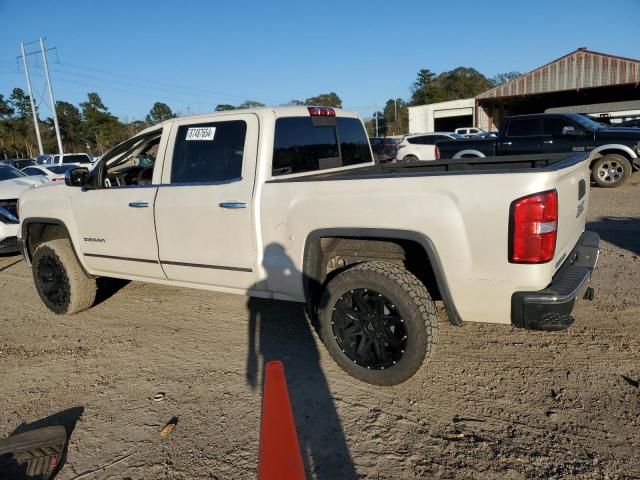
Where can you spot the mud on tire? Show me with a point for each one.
(378, 322)
(61, 283)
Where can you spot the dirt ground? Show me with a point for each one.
(494, 402)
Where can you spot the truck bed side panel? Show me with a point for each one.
(465, 217)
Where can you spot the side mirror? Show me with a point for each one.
(571, 131)
(76, 177)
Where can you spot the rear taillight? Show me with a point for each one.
(437, 153)
(321, 112)
(533, 228)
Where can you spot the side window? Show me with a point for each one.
(130, 163)
(302, 146)
(525, 127)
(553, 126)
(208, 152)
(32, 171)
(429, 140)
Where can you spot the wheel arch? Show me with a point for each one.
(613, 148)
(470, 152)
(315, 262)
(37, 230)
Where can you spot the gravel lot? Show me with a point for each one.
(494, 402)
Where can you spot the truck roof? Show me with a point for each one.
(277, 112)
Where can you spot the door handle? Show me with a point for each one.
(507, 143)
(139, 204)
(233, 205)
(548, 141)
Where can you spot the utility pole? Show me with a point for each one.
(53, 103)
(395, 116)
(376, 114)
(33, 105)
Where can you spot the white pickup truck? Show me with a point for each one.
(287, 203)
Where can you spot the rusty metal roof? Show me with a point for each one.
(579, 69)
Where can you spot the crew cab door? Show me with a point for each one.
(203, 210)
(114, 217)
(557, 140)
(522, 136)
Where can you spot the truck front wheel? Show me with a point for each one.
(611, 171)
(378, 322)
(61, 283)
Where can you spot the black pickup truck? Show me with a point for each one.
(614, 152)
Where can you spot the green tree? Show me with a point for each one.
(425, 89)
(505, 77)
(159, 113)
(20, 102)
(370, 125)
(396, 112)
(70, 122)
(462, 82)
(251, 104)
(102, 130)
(295, 103)
(223, 107)
(330, 99)
(6, 110)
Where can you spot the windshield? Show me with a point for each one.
(9, 173)
(76, 159)
(584, 121)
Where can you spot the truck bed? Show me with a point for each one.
(461, 166)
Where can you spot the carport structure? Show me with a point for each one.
(579, 78)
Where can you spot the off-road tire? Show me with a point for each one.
(413, 303)
(619, 161)
(77, 290)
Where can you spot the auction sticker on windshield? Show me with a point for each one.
(201, 133)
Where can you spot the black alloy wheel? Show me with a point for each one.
(369, 329)
(53, 280)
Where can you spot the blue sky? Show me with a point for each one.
(195, 55)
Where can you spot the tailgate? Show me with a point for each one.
(573, 198)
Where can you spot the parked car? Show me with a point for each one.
(18, 163)
(385, 149)
(12, 183)
(70, 158)
(468, 132)
(614, 151)
(417, 147)
(635, 123)
(287, 203)
(55, 173)
(42, 159)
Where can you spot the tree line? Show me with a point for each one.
(90, 127)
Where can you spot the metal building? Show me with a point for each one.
(582, 81)
(443, 116)
(582, 77)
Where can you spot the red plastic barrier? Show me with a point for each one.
(279, 456)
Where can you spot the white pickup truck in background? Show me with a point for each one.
(287, 203)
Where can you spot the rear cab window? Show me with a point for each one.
(76, 159)
(309, 144)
